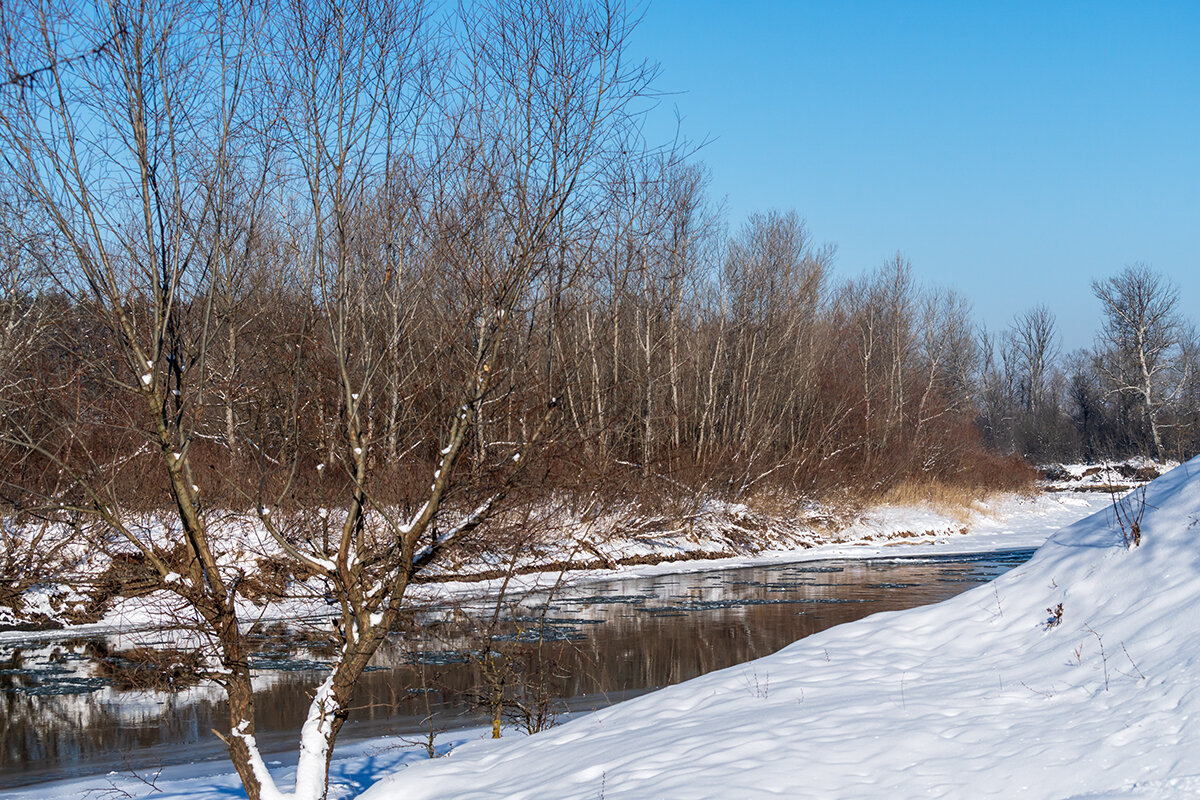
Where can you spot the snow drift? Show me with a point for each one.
(1074, 675)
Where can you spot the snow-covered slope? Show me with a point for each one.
(1000, 692)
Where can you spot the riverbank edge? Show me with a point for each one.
(1001, 524)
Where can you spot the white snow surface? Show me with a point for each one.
(979, 696)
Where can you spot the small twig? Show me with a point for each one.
(25, 80)
(1131, 661)
(1103, 655)
(759, 689)
(1055, 618)
(1128, 512)
(1036, 691)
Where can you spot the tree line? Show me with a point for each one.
(672, 359)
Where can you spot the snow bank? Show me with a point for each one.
(1115, 476)
(1076, 675)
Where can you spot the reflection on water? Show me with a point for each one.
(67, 706)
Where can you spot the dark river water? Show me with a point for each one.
(72, 707)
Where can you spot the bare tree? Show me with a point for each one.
(1140, 342)
(1035, 349)
(946, 355)
(118, 147)
(774, 281)
(883, 310)
(34, 551)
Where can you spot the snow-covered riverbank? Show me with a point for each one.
(623, 541)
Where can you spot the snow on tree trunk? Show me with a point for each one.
(312, 771)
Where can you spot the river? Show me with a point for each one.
(78, 706)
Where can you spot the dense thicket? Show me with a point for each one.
(676, 362)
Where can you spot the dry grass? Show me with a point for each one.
(957, 501)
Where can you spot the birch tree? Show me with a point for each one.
(1140, 343)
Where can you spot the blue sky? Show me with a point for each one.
(1011, 150)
